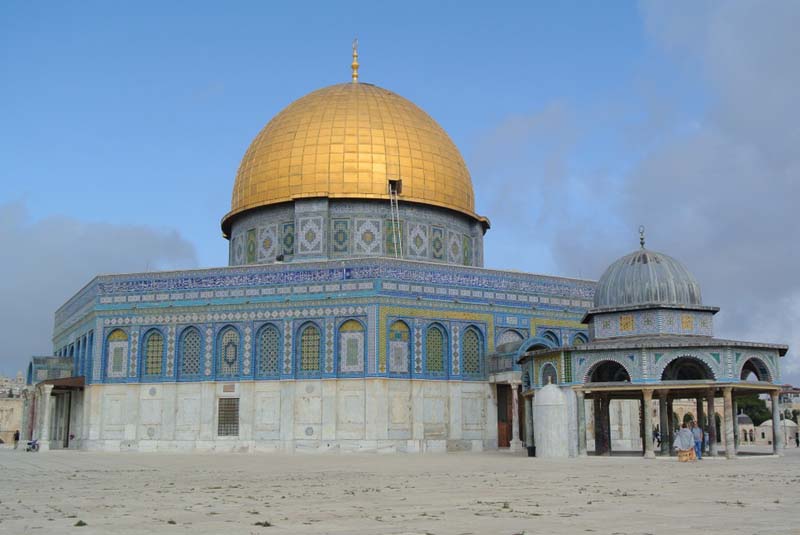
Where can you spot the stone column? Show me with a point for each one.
(712, 423)
(45, 417)
(529, 421)
(647, 410)
(581, 410)
(670, 427)
(736, 439)
(699, 402)
(777, 435)
(663, 425)
(516, 443)
(730, 449)
(603, 424)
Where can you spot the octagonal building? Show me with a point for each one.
(355, 313)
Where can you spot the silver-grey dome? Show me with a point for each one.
(645, 277)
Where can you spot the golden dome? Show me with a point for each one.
(347, 141)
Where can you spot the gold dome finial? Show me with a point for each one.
(354, 65)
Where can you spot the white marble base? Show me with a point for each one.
(316, 416)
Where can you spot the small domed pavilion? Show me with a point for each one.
(651, 335)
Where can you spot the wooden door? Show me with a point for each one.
(504, 416)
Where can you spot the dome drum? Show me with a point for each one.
(337, 229)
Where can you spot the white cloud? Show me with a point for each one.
(717, 188)
(47, 261)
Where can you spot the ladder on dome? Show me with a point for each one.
(395, 188)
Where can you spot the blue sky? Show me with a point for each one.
(140, 112)
(122, 125)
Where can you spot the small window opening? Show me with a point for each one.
(228, 421)
(395, 186)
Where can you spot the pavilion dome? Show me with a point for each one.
(646, 277)
(346, 141)
(744, 419)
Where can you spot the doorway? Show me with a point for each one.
(504, 416)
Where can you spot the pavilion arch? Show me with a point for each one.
(757, 366)
(607, 371)
(548, 374)
(578, 339)
(537, 342)
(552, 338)
(687, 368)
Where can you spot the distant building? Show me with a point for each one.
(12, 387)
(10, 418)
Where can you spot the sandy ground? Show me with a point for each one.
(409, 494)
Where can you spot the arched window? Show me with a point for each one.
(399, 347)
(117, 353)
(435, 347)
(579, 339)
(269, 347)
(549, 375)
(153, 353)
(471, 352)
(551, 337)
(190, 348)
(509, 336)
(351, 347)
(310, 341)
(228, 352)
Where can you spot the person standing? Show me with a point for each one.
(16, 438)
(697, 434)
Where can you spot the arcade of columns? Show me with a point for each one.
(704, 394)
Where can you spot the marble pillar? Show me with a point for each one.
(670, 427)
(529, 421)
(712, 423)
(777, 434)
(602, 425)
(699, 400)
(45, 417)
(597, 413)
(728, 417)
(736, 438)
(647, 412)
(663, 425)
(516, 443)
(581, 410)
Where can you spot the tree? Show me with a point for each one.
(755, 408)
(688, 417)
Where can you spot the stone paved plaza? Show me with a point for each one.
(410, 494)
